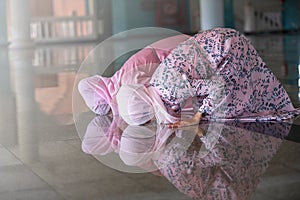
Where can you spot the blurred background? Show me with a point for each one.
(42, 46)
(48, 21)
(59, 34)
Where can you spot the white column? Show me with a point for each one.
(212, 14)
(95, 13)
(26, 106)
(20, 24)
(8, 133)
(249, 18)
(3, 23)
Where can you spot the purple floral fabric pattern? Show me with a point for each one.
(232, 167)
(222, 66)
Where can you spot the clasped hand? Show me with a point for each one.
(190, 124)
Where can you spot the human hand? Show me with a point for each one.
(189, 122)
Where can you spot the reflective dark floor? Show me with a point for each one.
(42, 155)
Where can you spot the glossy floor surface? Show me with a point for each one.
(42, 155)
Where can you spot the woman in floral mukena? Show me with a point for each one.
(221, 70)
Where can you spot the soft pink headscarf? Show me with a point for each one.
(138, 104)
(99, 93)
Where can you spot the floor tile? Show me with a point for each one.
(32, 194)
(7, 158)
(19, 177)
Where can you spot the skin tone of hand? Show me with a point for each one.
(193, 121)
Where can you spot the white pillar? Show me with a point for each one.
(212, 14)
(3, 23)
(249, 18)
(20, 24)
(26, 106)
(8, 133)
(95, 13)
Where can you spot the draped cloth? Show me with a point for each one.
(99, 93)
(222, 69)
(139, 104)
(231, 168)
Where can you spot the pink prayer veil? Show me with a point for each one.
(95, 93)
(138, 105)
(99, 93)
(135, 104)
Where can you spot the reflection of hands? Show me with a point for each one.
(189, 122)
(193, 129)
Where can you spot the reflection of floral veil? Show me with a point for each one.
(230, 170)
(141, 145)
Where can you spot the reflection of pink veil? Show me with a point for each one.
(230, 170)
(103, 135)
(99, 92)
(140, 145)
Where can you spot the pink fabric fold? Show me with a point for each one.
(99, 93)
(138, 104)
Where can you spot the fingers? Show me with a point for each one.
(185, 123)
(199, 132)
(175, 125)
(180, 124)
